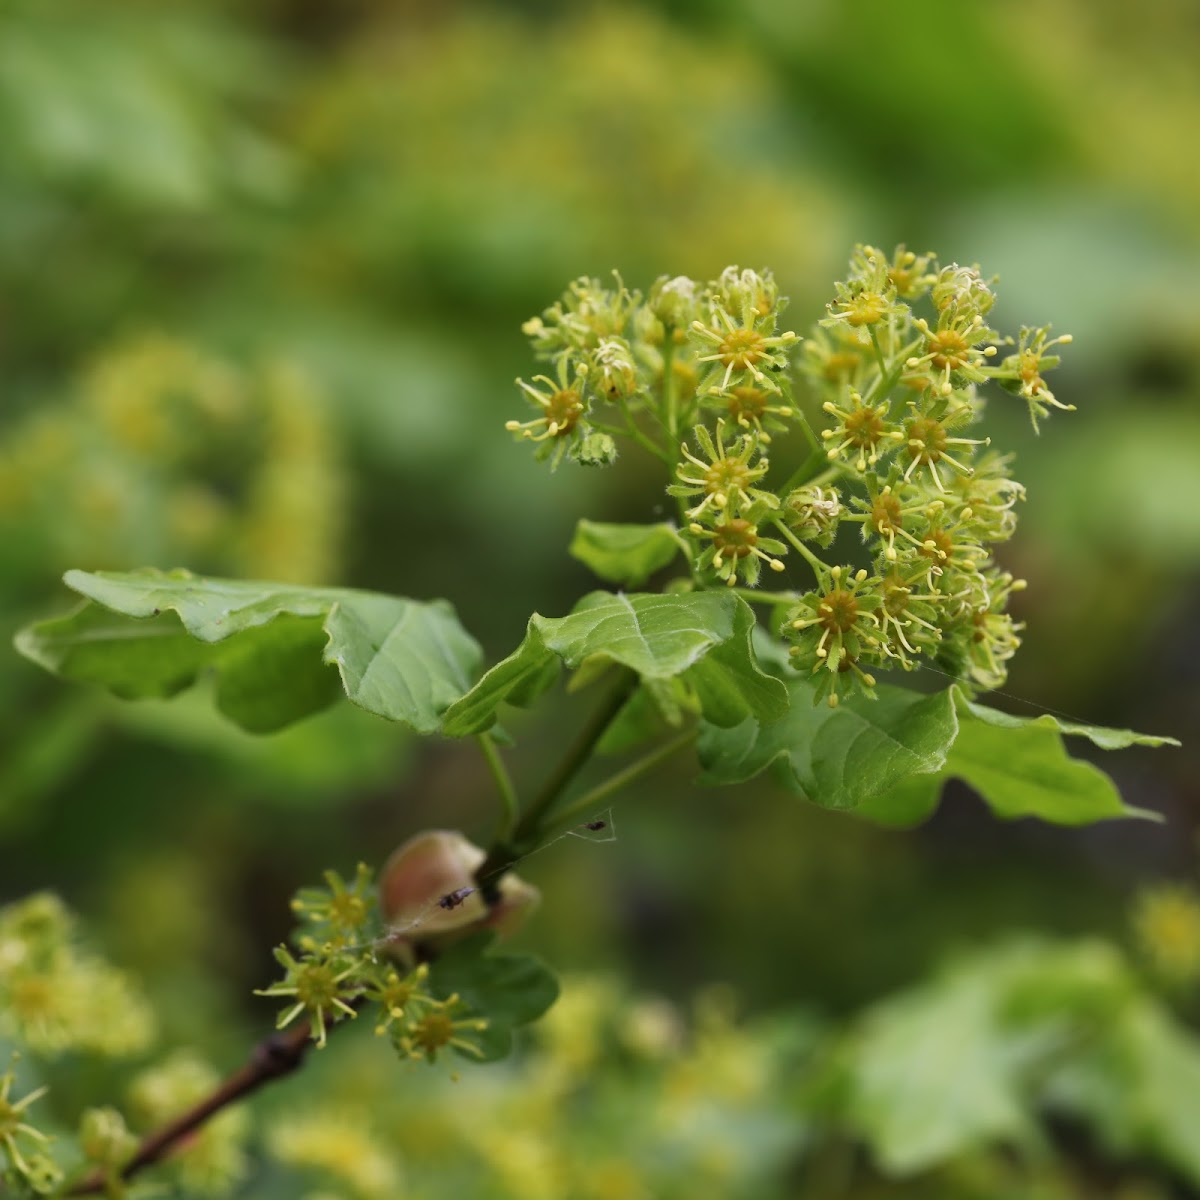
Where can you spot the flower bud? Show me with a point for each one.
(812, 513)
(428, 892)
(673, 301)
(962, 289)
(614, 374)
(105, 1138)
(748, 293)
(595, 450)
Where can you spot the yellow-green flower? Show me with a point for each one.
(743, 341)
(1166, 922)
(399, 996)
(56, 997)
(813, 513)
(339, 913)
(318, 987)
(1022, 372)
(987, 497)
(863, 431)
(908, 614)
(834, 627)
(994, 636)
(341, 1146)
(725, 477)
(957, 348)
(961, 293)
(13, 1125)
(105, 1139)
(736, 548)
(752, 408)
(561, 402)
(926, 441)
(893, 512)
(439, 1029)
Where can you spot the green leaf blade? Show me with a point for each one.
(841, 757)
(729, 683)
(157, 657)
(1025, 771)
(209, 609)
(1099, 735)
(277, 650)
(658, 637)
(401, 659)
(1020, 768)
(271, 676)
(624, 554)
(524, 673)
(506, 990)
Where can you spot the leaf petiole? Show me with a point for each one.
(594, 798)
(509, 811)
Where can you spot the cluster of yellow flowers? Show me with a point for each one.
(167, 451)
(894, 370)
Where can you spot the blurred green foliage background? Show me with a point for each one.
(262, 271)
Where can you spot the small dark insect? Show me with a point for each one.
(454, 899)
(595, 826)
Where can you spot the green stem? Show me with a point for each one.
(883, 367)
(806, 472)
(530, 825)
(638, 436)
(504, 786)
(591, 801)
(813, 561)
(529, 830)
(887, 382)
(612, 430)
(754, 596)
(668, 392)
(813, 441)
(670, 407)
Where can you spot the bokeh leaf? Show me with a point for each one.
(958, 1062)
(1140, 1088)
(932, 1076)
(272, 647)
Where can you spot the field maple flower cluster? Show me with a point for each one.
(700, 375)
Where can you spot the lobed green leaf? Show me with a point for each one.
(278, 651)
(703, 637)
(889, 759)
(836, 757)
(1022, 769)
(1099, 735)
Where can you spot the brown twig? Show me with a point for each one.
(273, 1057)
(282, 1053)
